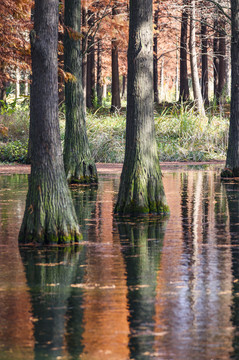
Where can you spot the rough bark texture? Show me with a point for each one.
(232, 162)
(155, 49)
(84, 58)
(184, 89)
(79, 164)
(204, 46)
(215, 58)
(193, 61)
(141, 188)
(99, 86)
(90, 85)
(49, 214)
(222, 62)
(115, 87)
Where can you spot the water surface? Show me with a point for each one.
(145, 288)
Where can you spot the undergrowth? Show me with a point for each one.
(181, 134)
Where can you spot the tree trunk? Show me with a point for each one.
(193, 60)
(99, 86)
(222, 62)
(162, 80)
(204, 46)
(90, 84)
(49, 216)
(123, 86)
(141, 188)
(84, 55)
(184, 89)
(232, 162)
(155, 50)
(216, 58)
(17, 89)
(115, 89)
(79, 164)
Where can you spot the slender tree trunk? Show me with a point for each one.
(184, 88)
(232, 162)
(162, 80)
(216, 58)
(204, 46)
(141, 188)
(155, 50)
(90, 85)
(17, 90)
(123, 86)
(222, 62)
(99, 86)
(79, 164)
(49, 214)
(193, 60)
(26, 85)
(115, 91)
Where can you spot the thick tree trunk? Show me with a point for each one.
(141, 188)
(115, 87)
(49, 214)
(232, 162)
(155, 50)
(79, 164)
(193, 60)
(184, 88)
(84, 58)
(204, 46)
(99, 86)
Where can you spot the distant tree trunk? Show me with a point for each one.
(26, 85)
(17, 89)
(99, 86)
(141, 188)
(204, 46)
(216, 58)
(193, 60)
(49, 214)
(90, 85)
(115, 88)
(79, 164)
(162, 80)
(184, 88)
(155, 50)
(123, 86)
(222, 61)
(84, 55)
(232, 162)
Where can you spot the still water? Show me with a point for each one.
(135, 288)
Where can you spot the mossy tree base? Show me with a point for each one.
(49, 215)
(141, 192)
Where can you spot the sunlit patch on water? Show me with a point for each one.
(160, 288)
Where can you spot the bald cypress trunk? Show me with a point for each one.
(115, 87)
(184, 88)
(232, 162)
(141, 188)
(49, 214)
(79, 164)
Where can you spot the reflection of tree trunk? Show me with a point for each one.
(193, 60)
(142, 259)
(49, 276)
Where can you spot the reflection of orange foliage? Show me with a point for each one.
(105, 305)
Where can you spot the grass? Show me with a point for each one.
(181, 134)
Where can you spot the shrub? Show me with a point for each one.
(14, 151)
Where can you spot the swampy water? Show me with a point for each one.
(145, 288)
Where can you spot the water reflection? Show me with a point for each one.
(160, 289)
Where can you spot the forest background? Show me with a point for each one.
(191, 75)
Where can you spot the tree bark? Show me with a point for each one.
(155, 57)
(216, 58)
(79, 164)
(204, 46)
(49, 216)
(193, 60)
(222, 62)
(232, 162)
(115, 87)
(141, 188)
(184, 88)
(84, 58)
(90, 84)
(99, 86)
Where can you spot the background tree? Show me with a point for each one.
(79, 164)
(184, 89)
(115, 87)
(141, 188)
(49, 214)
